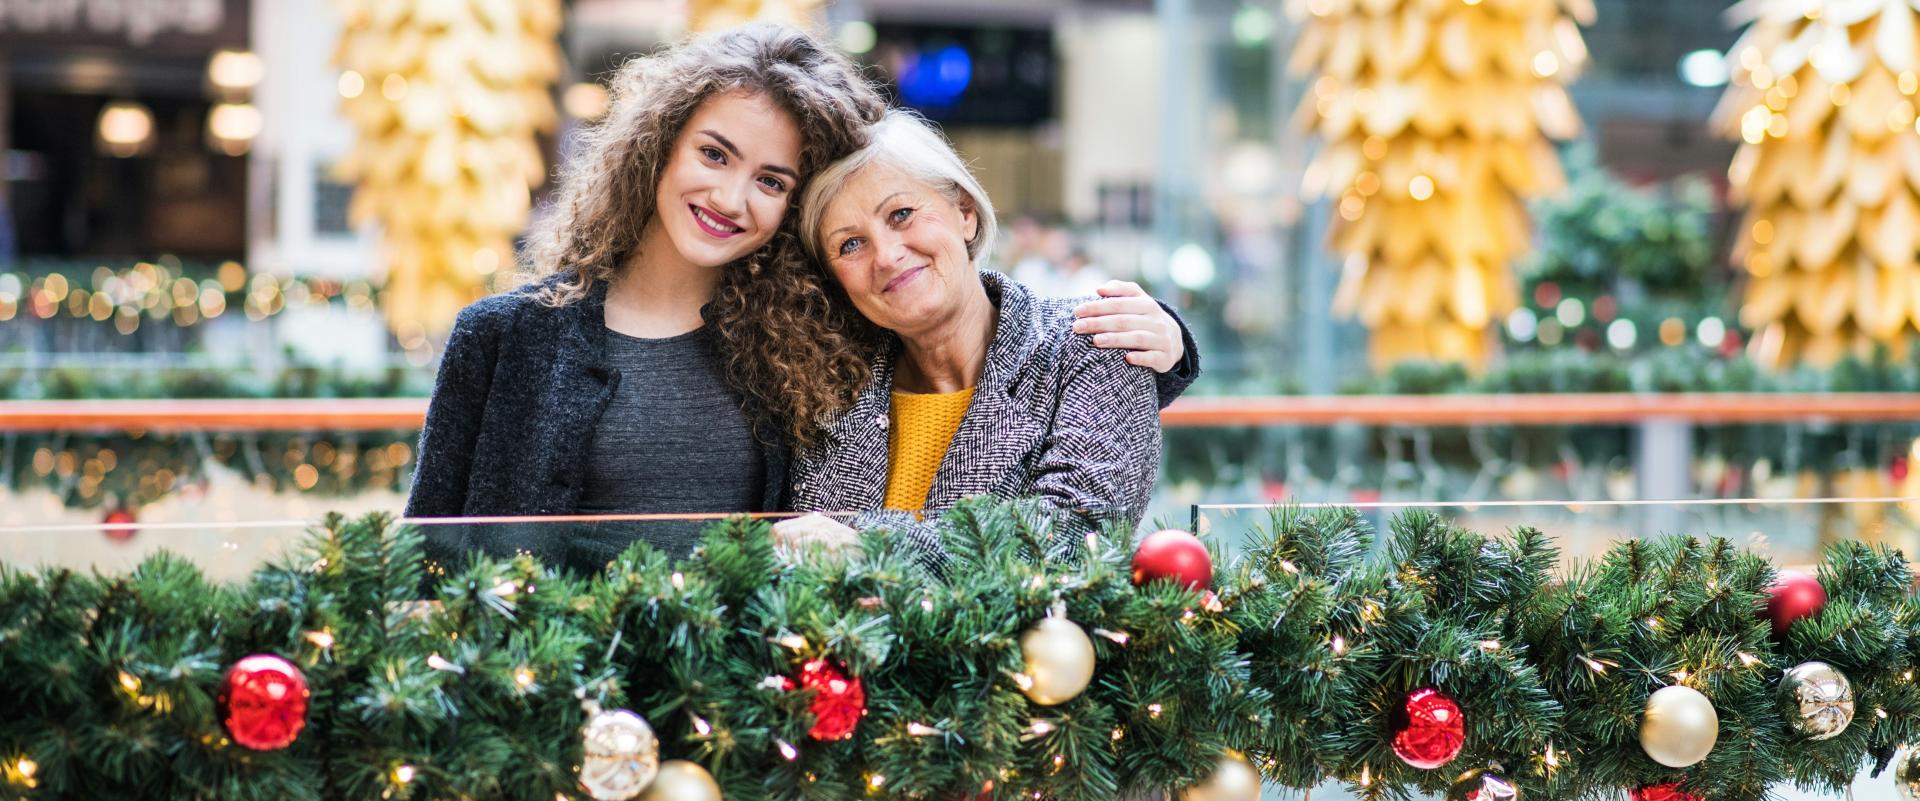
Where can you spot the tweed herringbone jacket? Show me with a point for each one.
(1052, 417)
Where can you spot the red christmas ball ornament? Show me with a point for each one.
(839, 701)
(263, 702)
(1794, 595)
(1173, 554)
(1429, 729)
(120, 516)
(1661, 792)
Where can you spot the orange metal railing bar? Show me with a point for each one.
(365, 414)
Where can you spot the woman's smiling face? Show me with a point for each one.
(729, 180)
(899, 248)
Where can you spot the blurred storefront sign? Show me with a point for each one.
(167, 25)
(135, 136)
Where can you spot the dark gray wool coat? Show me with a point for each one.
(521, 388)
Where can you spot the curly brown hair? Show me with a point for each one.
(795, 354)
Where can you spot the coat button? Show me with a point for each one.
(881, 421)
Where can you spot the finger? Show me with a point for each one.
(1154, 360)
(1118, 322)
(1131, 305)
(1130, 340)
(1117, 289)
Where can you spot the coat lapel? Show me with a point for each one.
(999, 430)
(579, 387)
(856, 477)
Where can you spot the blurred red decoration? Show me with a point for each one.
(1429, 730)
(1661, 792)
(1604, 309)
(1546, 295)
(1794, 595)
(1173, 554)
(120, 516)
(839, 701)
(1730, 345)
(263, 702)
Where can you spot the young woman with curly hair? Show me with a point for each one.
(673, 343)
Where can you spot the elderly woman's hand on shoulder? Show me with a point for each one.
(1127, 317)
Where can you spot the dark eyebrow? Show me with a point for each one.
(876, 210)
(728, 144)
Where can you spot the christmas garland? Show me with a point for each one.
(1442, 660)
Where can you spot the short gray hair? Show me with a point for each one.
(903, 141)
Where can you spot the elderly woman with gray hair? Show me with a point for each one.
(979, 386)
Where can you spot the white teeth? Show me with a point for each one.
(708, 219)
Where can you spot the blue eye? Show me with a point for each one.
(900, 215)
(849, 245)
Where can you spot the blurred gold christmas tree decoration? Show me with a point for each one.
(447, 98)
(1822, 98)
(1436, 117)
(708, 15)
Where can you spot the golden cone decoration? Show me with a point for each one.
(709, 15)
(1822, 100)
(447, 98)
(1436, 117)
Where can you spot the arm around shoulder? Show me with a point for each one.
(1102, 450)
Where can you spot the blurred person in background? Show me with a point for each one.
(673, 343)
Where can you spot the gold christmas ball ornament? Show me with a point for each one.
(620, 755)
(1818, 700)
(1484, 784)
(1906, 774)
(1233, 779)
(1059, 659)
(1679, 726)
(680, 780)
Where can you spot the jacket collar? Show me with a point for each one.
(585, 328)
(1014, 334)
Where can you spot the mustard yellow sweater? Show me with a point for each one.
(920, 427)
